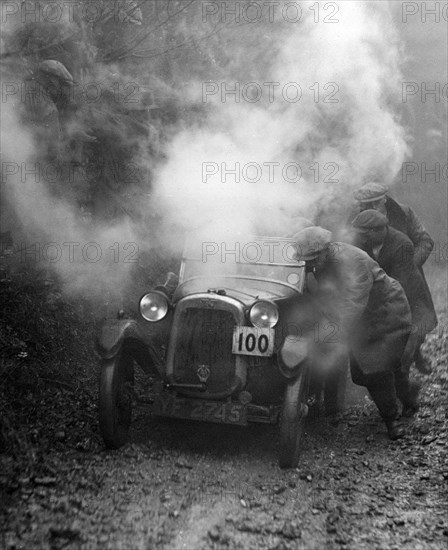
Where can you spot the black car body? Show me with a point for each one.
(237, 339)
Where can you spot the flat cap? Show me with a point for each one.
(370, 192)
(311, 241)
(370, 219)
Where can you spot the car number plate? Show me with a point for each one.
(253, 341)
(200, 409)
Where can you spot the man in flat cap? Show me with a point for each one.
(372, 314)
(373, 196)
(394, 253)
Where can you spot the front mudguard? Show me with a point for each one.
(116, 334)
(293, 353)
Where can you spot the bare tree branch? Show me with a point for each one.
(122, 53)
(146, 54)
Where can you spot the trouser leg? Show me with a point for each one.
(381, 388)
(402, 386)
(383, 393)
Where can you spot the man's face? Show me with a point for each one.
(379, 205)
(374, 236)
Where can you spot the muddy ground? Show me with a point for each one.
(187, 485)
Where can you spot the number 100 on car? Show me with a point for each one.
(253, 341)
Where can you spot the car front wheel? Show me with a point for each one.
(292, 420)
(115, 400)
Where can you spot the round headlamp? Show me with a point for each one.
(153, 306)
(263, 314)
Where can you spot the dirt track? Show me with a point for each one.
(185, 485)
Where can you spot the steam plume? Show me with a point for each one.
(360, 135)
(356, 138)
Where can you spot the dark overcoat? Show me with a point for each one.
(369, 307)
(396, 257)
(404, 219)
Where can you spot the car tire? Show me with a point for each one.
(115, 401)
(292, 420)
(334, 391)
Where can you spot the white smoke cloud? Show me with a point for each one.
(359, 137)
(90, 258)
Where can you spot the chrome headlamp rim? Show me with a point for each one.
(273, 310)
(164, 305)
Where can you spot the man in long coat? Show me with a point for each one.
(374, 196)
(372, 313)
(394, 252)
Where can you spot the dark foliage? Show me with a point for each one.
(46, 344)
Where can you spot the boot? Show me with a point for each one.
(421, 364)
(410, 405)
(394, 429)
(385, 398)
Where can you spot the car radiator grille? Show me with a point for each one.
(205, 339)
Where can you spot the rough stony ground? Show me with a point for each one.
(186, 485)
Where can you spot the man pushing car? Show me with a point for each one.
(394, 252)
(374, 196)
(372, 314)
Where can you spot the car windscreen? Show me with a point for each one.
(257, 257)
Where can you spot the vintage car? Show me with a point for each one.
(235, 339)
